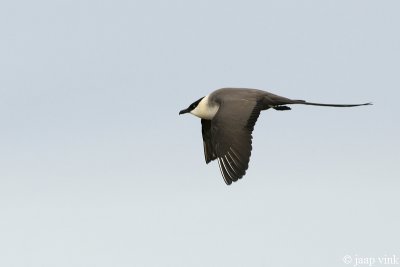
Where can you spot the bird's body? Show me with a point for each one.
(228, 116)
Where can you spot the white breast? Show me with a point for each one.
(205, 109)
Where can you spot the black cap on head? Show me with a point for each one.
(191, 107)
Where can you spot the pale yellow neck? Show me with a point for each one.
(205, 109)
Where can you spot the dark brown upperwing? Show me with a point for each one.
(209, 153)
(231, 138)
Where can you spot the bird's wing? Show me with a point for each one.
(228, 137)
(209, 153)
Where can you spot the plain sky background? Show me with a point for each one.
(98, 169)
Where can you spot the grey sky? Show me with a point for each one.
(98, 169)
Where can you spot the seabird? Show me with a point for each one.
(228, 116)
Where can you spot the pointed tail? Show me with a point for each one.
(330, 105)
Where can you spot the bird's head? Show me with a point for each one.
(191, 107)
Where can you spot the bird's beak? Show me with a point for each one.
(183, 111)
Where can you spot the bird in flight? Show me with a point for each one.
(228, 116)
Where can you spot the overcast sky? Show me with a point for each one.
(97, 168)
